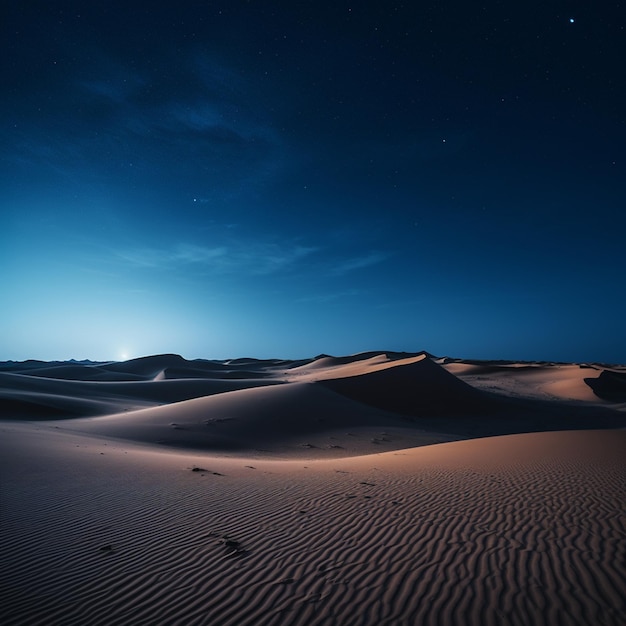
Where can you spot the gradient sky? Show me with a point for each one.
(281, 179)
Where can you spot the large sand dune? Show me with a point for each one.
(166, 491)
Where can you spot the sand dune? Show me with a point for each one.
(337, 406)
(416, 386)
(292, 419)
(258, 492)
(510, 530)
(103, 396)
(545, 381)
(362, 359)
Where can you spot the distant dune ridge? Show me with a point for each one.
(376, 488)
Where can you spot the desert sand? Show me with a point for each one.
(377, 488)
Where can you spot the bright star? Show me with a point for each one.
(571, 20)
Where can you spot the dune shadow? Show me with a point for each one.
(509, 416)
(609, 386)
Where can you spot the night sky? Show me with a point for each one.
(281, 179)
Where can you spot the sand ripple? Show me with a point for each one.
(522, 529)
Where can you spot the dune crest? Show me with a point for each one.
(415, 386)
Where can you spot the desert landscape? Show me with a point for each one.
(376, 488)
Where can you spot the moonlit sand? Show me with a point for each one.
(377, 488)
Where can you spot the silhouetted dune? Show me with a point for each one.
(33, 364)
(148, 366)
(82, 372)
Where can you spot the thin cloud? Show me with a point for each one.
(140, 258)
(256, 258)
(323, 298)
(188, 253)
(213, 133)
(359, 262)
(271, 258)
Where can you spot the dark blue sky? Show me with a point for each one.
(235, 178)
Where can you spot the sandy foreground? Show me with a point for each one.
(379, 488)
